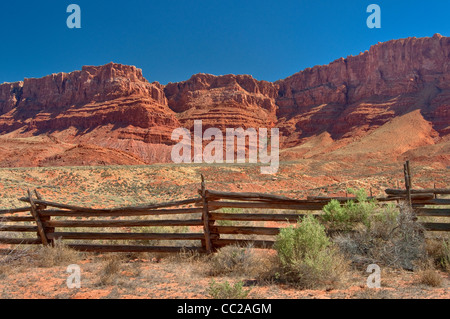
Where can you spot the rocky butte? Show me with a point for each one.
(396, 92)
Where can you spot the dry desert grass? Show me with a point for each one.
(41, 272)
(186, 276)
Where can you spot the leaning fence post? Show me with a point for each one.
(44, 219)
(37, 218)
(208, 243)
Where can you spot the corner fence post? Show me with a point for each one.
(35, 212)
(205, 215)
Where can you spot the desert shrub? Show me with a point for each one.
(110, 270)
(388, 238)
(188, 256)
(430, 277)
(227, 291)
(308, 237)
(14, 254)
(3, 271)
(106, 174)
(307, 256)
(9, 254)
(344, 217)
(56, 255)
(443, 257)
(232, 259)
(445, 260)
(439, 251)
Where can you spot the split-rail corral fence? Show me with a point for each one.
(48, 220)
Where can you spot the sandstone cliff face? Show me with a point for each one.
(112, 107)
(10, 94)
(387, 69)
(390, 79)
(93, 97)
(115, 107)
(224, 101)
(91, 84)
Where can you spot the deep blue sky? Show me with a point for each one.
(172, 39)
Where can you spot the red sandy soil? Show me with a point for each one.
(171, 278)
(129, 185)
(351, 123)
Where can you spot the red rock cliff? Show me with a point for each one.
(111, 106)
(224, 101)
(95, 96)
(114, 106)
(390, 79)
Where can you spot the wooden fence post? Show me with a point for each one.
(407, 172)
(45, 219)
(35, 212)
(206, 229)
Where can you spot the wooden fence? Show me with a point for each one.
(49, 217)
(211, 227)
(420, 201)
(424, 202)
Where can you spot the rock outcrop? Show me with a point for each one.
(111, 106)
(367, 90)
(224, 101)
(92, 97)
(319, 110)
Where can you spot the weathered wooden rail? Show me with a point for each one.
(47, 221)
(49, 217)
(420, 201)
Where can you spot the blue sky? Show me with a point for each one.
(172, 39)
